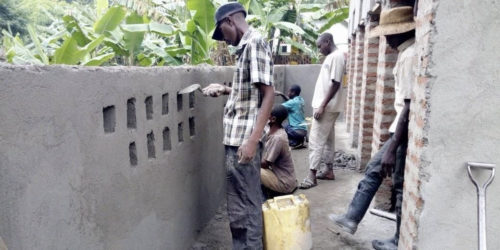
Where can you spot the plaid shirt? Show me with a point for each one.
(254, 67)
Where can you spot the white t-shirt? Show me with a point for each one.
(332, 69)
(404, 78)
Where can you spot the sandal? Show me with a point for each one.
(306, 184)
(323, 175)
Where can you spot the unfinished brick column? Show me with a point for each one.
(384, 97)
(350, 73)
(419, 119)
(384, 114)
(367, 99)
(356, 85)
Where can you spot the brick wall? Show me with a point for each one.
(356, 85)
(384, 97)
(384, 114)
(350, 75)
(418, 136)
(367, 98)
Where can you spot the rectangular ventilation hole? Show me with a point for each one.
(132, 152)
(151, 145)
(131, 119)
(109, 119)
(192, 128)
(191, 100)
(149, 107)
(164, 104)
(179, 102)
(167, 145)
(180, 130)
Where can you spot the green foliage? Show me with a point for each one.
(71, 53)
(12, 18)
(199, 29)
(110, 20)
(293, 22)
(334, 17)
(145, 32)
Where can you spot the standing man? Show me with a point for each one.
(327, 103)
(398, 26)
(244, 122)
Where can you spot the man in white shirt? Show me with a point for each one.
(328, 102)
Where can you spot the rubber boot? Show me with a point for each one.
(389, 244)
(355, 213)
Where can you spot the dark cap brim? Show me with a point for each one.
(217, 34)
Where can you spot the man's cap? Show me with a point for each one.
(393, 21)
(224, 11)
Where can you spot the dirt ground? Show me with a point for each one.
(327, 197)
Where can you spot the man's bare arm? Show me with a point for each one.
(400, 136)
(248, 148)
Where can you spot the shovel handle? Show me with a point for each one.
(481, 199)
(486, 166)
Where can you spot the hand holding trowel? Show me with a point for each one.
(213, 89)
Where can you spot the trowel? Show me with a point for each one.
(190, 88)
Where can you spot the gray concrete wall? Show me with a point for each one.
(305, 76)
(65, 183)
(68, 176)
(463, 125)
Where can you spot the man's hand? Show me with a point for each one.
(247, 151)
(388, 163)
(319, 112)
(214, 90)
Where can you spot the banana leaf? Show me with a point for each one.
(99, 60)
(34, 37)
(75, 30)
(110, 20)
(71, 53)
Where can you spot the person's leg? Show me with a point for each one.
(317, 141)
(365, 192)
(329, 151)
(244, 200)
(295, 136)
(270, 181)
(397, 180)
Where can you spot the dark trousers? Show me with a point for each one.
(295, 136)
(244, 200)
(372, 181)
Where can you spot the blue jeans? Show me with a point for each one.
(372, 181)
(295, 136)
(244, 200)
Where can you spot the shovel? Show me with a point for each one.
(190, 88)
(481, 197)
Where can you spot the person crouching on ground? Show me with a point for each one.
(277, 171)
(297, 127)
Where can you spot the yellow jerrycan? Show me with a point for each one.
(286, 223)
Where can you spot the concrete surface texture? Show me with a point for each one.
(327, 197)
(462, 125)
(102, 158)
(305, 76)
(110, 158)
